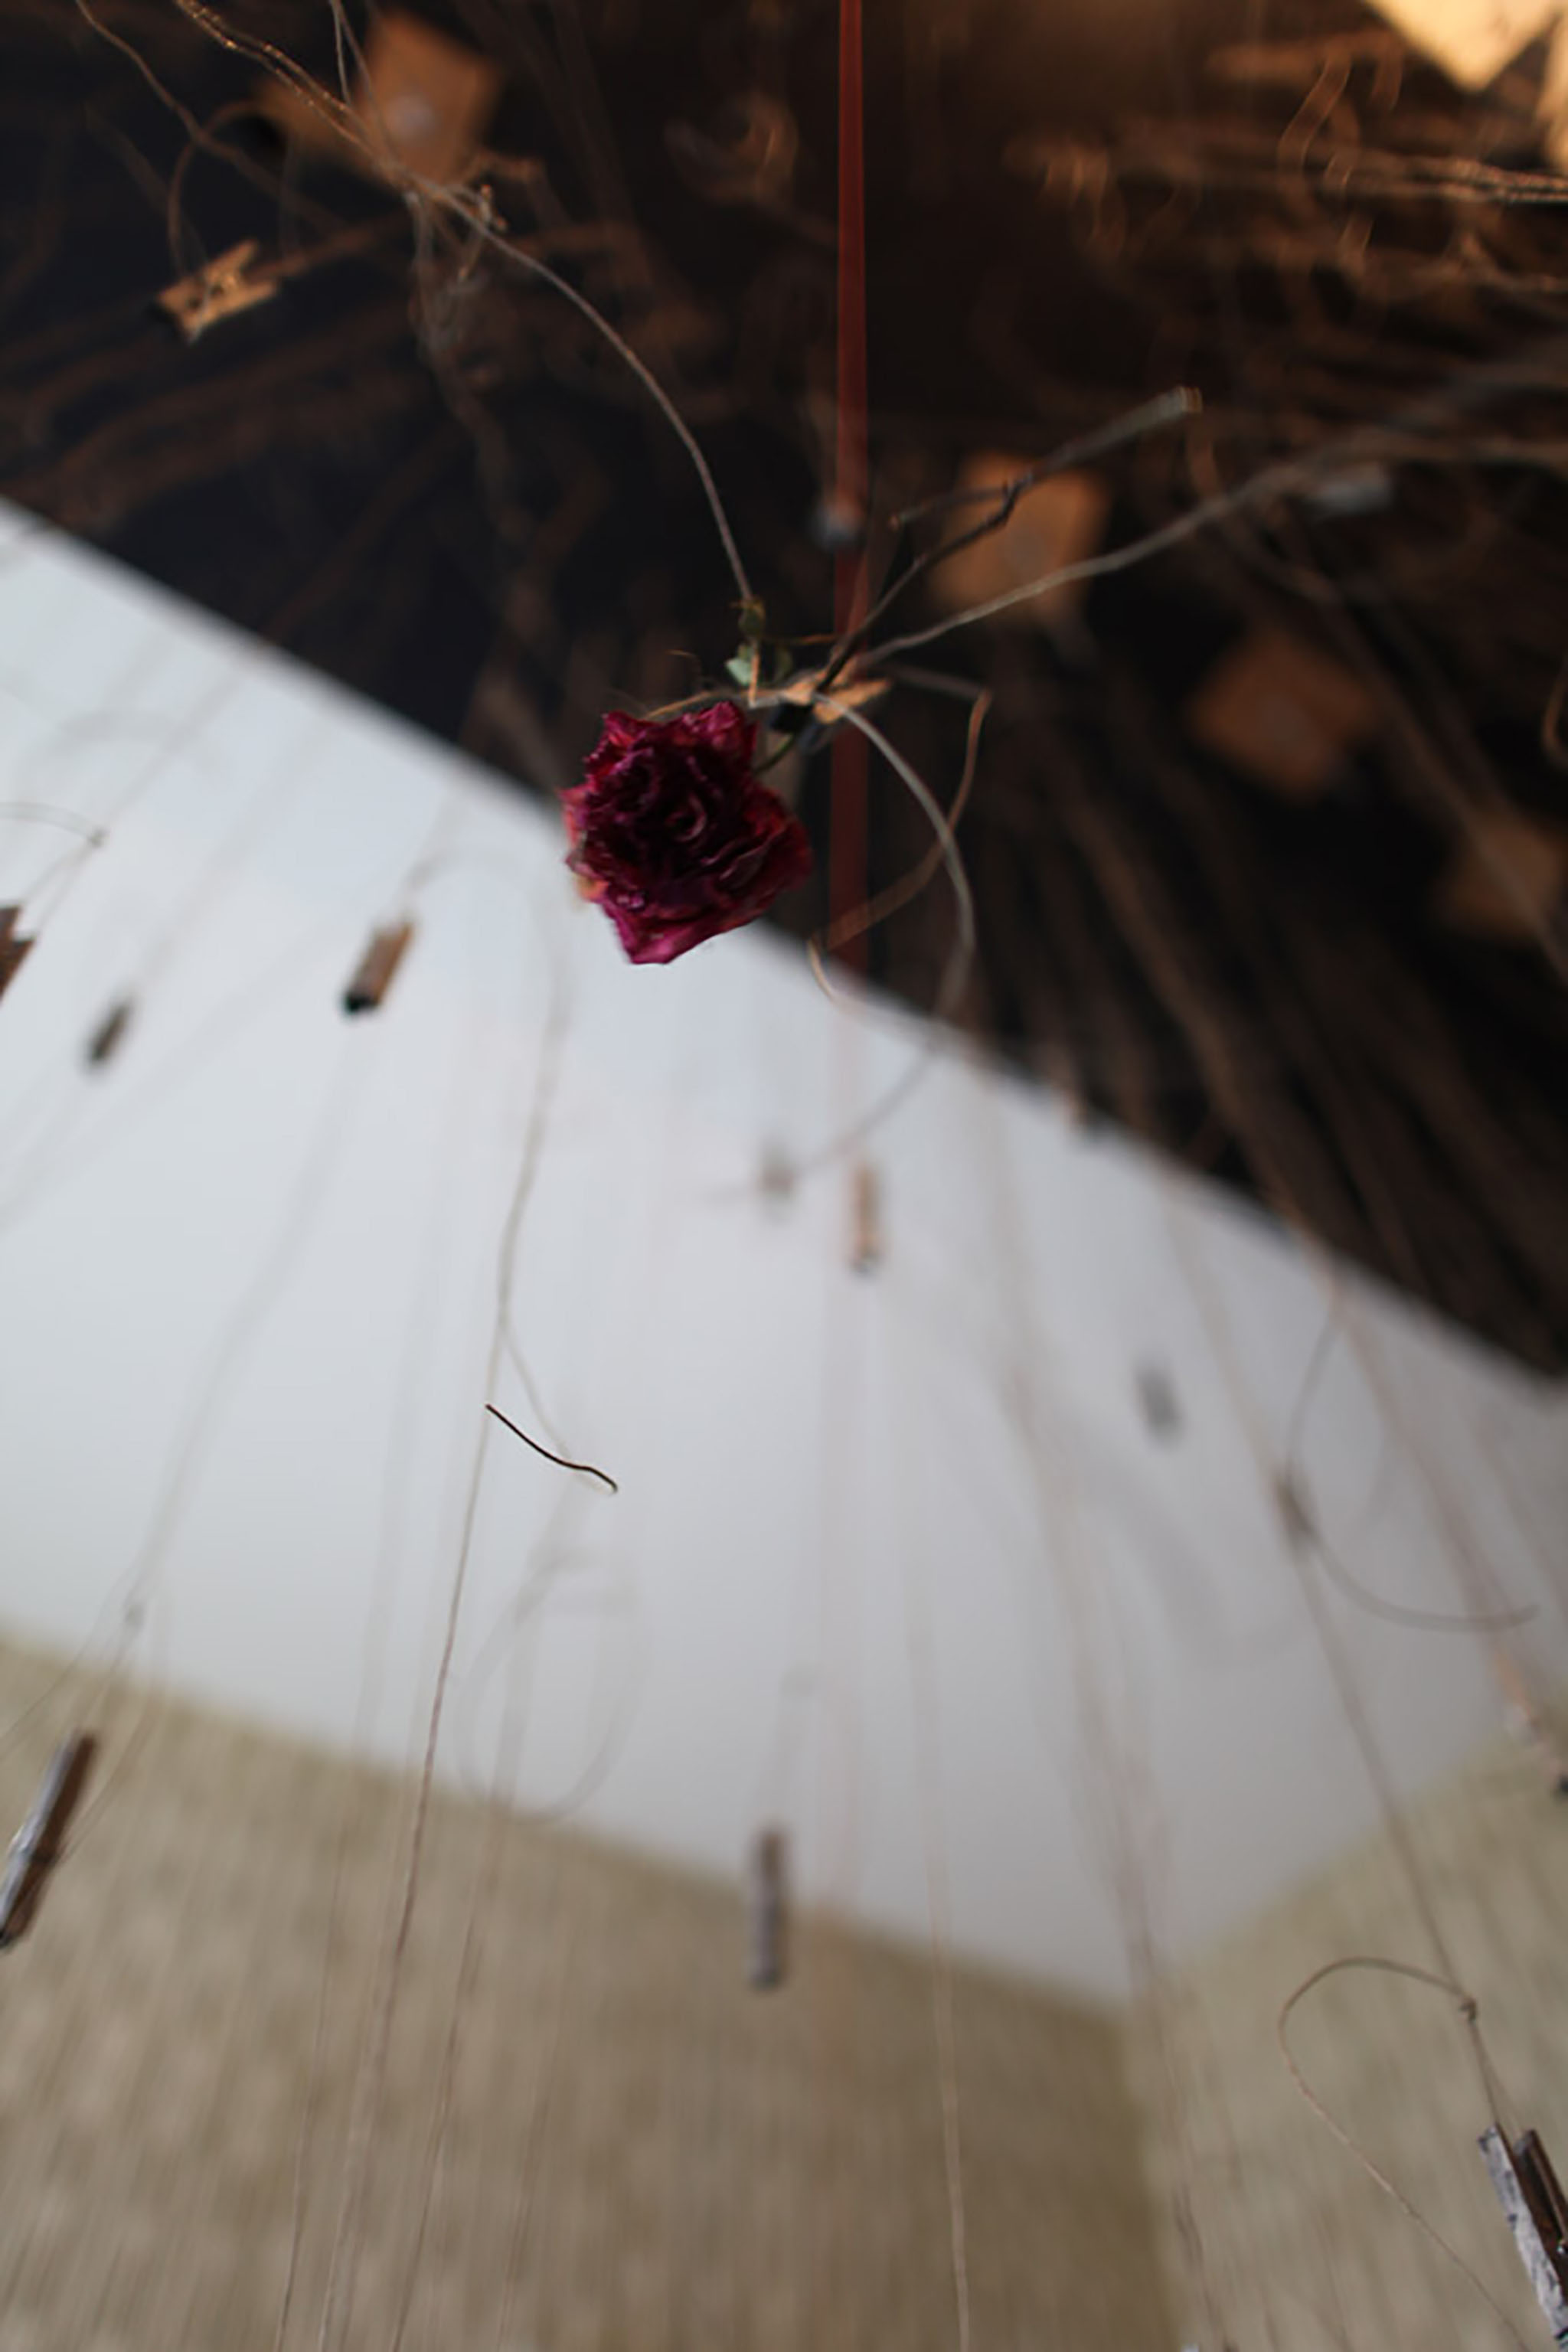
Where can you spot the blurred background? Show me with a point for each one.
(1048, 1532)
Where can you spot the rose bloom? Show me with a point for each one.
(674, 835)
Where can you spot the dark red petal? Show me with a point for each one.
(674, 835)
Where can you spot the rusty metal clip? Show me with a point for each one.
(374, 972)
(767, 1911)
(110, 1034)
(1531, 2199)
(866, 1245)
(14, 948)
(39, 1842)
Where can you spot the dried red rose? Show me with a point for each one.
(674, 835)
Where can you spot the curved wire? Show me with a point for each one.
(561, 1461)
(1468, 2009)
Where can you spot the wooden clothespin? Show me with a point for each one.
(1057, 522)
(1295, 1514)
(14, 948)
(865, 1248)
(767, 1911)
(110, 1034)
(776, 1176)
(1531, 2199)
(221, 289)
(1158, 1400)
(376, 968)
(423, 105)
(1283, 711)
(1527, 1722)
(1506, 879)
(39, 1842)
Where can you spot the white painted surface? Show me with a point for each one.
(814, 1466)
(1472, 40)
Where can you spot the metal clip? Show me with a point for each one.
(865, 1253)
(1158, 1400)
(767, 1911)
(1531, 2199)
(776, 1177)
(14, 948)
(39, 1844)
(221, 290)
(373, 973)
(1295, 1516)
(110, 1034)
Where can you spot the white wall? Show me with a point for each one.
(245, 1282)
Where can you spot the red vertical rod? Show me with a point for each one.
(847, 851)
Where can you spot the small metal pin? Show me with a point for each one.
(767, 1911)
(374, 972)
(39, 1842)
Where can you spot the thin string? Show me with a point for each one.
(257, 1301)
(40, 813)
(1269, 484)
(136, 1590)
(265, 810)
(567, 1930)
(1548, 1562)
(523, 1612)
(345, 2244)
(71, 726)
(1468, 2012)
(899, 895)
(190, 729)
(1293, 1496)
(1133, 894)
(1395, 1613)
(839, 1601)
(1482, 1585)
(1151, 416)
(960, 958)
(1288, 477)
(205, 2130)
(1354, 1711)
(343, 2262)
(585, 1469)
(944, 853)
(939, 1913)
(250, 1000)
(475, 211)
(1204, 1292)
(379, 1611)
(480, 1901)
(1030, 1397)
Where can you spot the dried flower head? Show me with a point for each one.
(673, 833)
